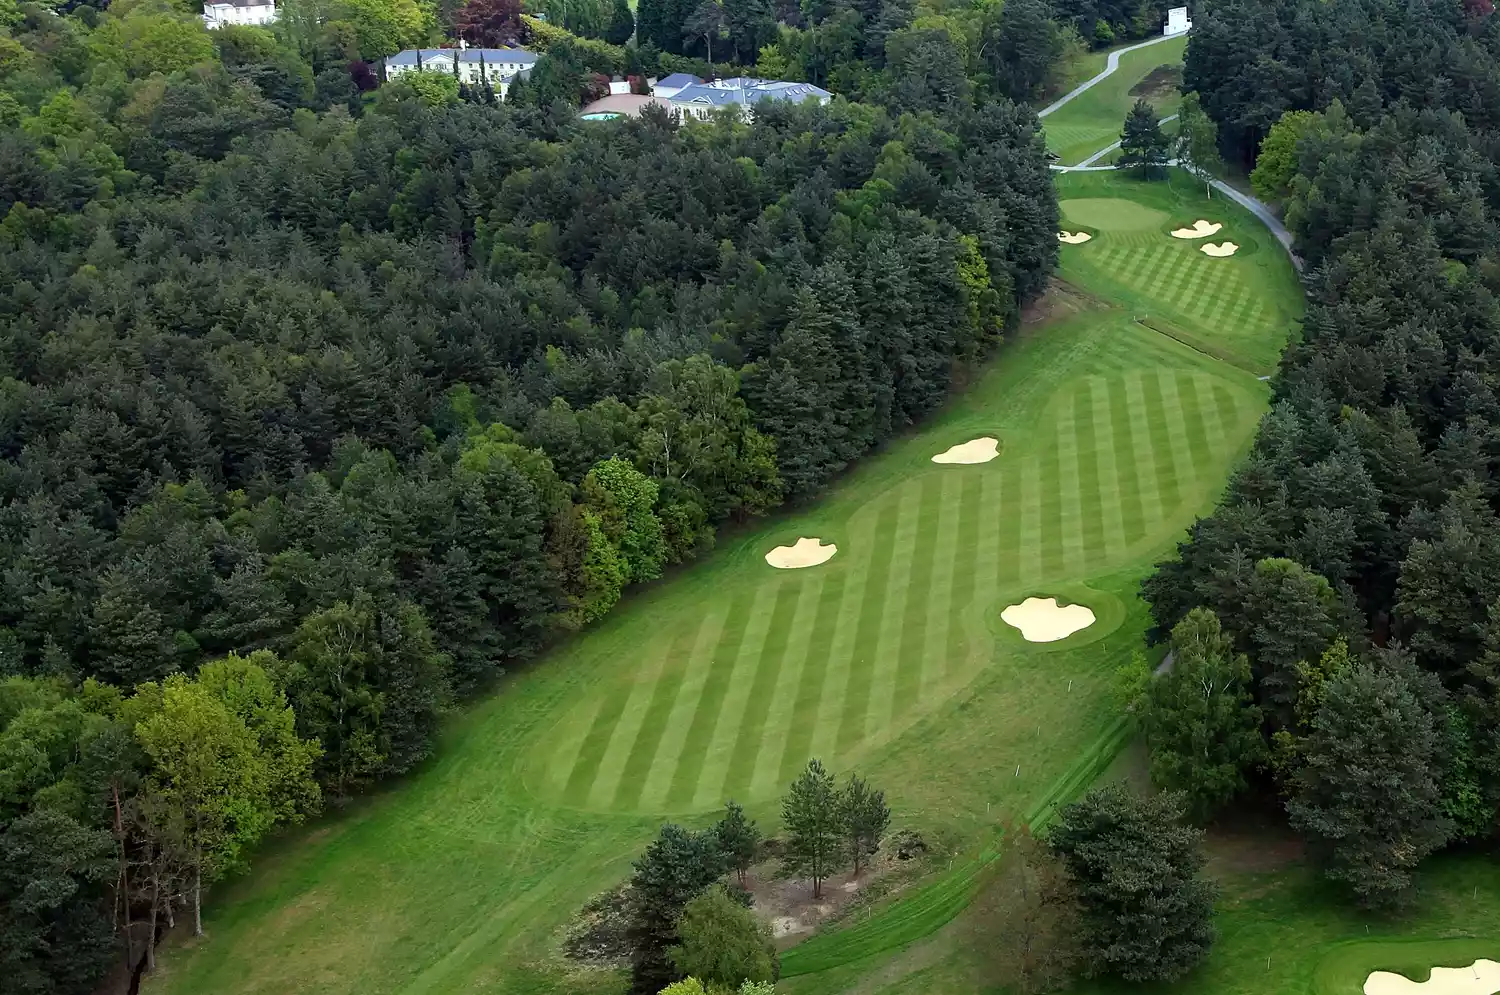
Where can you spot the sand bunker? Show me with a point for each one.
(1043, 620)
(806, 553)
(1073, 237)
(1480, 978)
(980, 450)
(1222, 249)
(1200, 229)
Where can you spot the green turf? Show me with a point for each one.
(724, 679)
(1234, 308)
(1094, 119)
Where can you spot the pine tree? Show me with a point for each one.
(738, 838)
(1142, 144)
(675, 867)
(864, 817)
(1369, 793)
(1145, 910)
(810, 818)
(621, 23)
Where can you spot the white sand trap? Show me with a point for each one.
(1200, 229)
(1073, 237)
(1480, 978)
(980, 450)
(1043, 620)
(1222, 249)
(806, 553)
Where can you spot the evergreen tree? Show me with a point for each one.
(1146, 912)
(1369, 793)
(738, 839)
(1143, 147)
(675, 868)
(865, 818)
(621, 23)
(811, 823)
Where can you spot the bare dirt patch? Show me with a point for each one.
(1061, 301)
(1256, 847)
(1159, 84)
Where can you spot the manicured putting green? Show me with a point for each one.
(1111, 214)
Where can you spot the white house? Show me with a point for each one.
(699, 100)
(470, 65)
(216, 15)
(1177, 21)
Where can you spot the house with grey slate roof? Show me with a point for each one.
(471, 65)
(699, 100)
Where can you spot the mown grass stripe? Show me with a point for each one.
(1090, 492)
(678, 724)
(1069, 499)
(898, 588)
(851, 719)
(596, 744)
(632, 776)
(726, 729)
(965, 573)
(1193, 423)
(705, 719)
(1049, 489)
(643, 692)
(1029, 542)
(1208, 403)
(927, 568)
(1228, 408)
(806, 713)
(1174, 424)
(1167, 275)
(766, 770)
(1144, 451)
(852, 610)
(919, 679)
(1008, 564)
(1188, 296)
(741, 767)
(1107, 470)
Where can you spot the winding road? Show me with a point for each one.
(1249, 203)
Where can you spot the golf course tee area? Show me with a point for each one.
(1118, 409)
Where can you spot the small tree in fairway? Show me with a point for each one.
(810, 816)
(1145, 913)
(1142, 144)
(738, 837)
(865, 819)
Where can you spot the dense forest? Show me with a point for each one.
(324, 401)
(1354, 564)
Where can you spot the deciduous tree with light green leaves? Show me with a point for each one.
(1199, 717)
(623, 498)
(1277, 162)
(1198, 141)
(722, 943)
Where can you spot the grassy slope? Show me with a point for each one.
(723, 679)
(1094, 119)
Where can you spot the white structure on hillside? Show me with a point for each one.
(693, 98)
(1177, 21)
(470, 65)
(216, 15)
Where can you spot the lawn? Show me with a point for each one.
(1094, 119)
(722, 680)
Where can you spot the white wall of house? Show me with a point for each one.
(498, 73)
(216, 15)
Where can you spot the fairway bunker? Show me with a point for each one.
(1073, 237)
(1221, 250)
(807, 552)
(980, 450)
(1200, 229)
(1043, 620)
(1480, 978)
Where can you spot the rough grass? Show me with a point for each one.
(722, 680)
(1095, 118)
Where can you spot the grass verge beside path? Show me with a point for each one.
(1094, 118)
